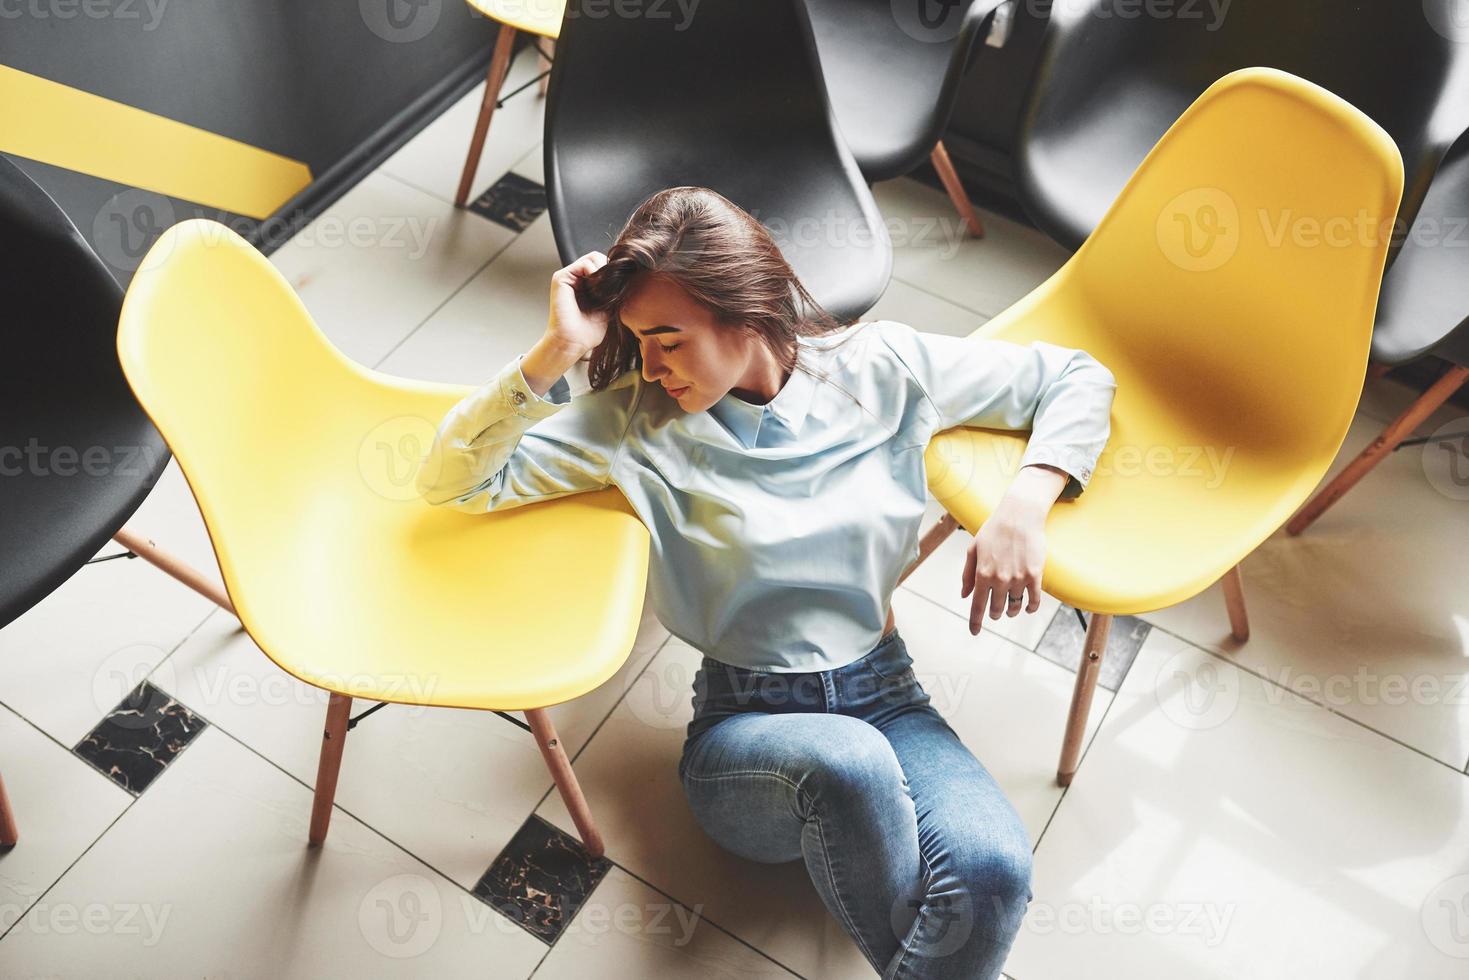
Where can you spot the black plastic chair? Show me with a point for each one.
(731, 99)
(892, 71)
(77, 453)
(1107, 87)
(1423, 310)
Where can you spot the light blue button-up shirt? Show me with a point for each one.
(779, 531)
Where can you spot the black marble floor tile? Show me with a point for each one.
(1062, 644)
(513, 201)
(541, 878)
(140, 737)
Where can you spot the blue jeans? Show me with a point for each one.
(907, 838)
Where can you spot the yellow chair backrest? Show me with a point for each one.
(1233, 283)
(302, 462)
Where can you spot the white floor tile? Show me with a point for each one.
(1366, 610)
(61, 806)
(1221, 827)
(924, 311)
(381, 260)
(450, 785)
(209, 874)
(627, 931)
(500, 314)
(930, 250)
(434, 159)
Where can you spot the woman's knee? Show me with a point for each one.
(852, 765)
(993, 878)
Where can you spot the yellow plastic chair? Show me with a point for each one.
(1231, 289)
(539, 18)
(302, 464)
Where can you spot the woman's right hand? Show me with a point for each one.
(569, 326)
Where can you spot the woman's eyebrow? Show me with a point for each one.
(663, 329)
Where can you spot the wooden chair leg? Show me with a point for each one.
(930, 541)
(1097, 631)
(543, 63)
(494, 80)
(950, 178)
(170, 565)
(8, 832)
(560, 766)
(1234, 601)
(333, 740)
(1401, 427)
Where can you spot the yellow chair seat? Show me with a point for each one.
(1238, 331)
(541, 17)
(302, 463)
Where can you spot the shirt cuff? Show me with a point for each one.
(523, 401)
(1076, 464)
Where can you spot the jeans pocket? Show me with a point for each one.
(890, 657)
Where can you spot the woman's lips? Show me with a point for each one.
(678, 392)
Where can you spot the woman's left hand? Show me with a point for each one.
(1007, 555)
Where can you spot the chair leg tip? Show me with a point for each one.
(1063, 778)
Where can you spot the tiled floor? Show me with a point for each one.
(1296, 806)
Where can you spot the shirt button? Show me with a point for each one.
(517, 396)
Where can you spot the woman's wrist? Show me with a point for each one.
(546, 361)
(1034, 491)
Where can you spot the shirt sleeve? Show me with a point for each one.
(1062, 394)
(503, 446)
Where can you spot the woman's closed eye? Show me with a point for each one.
(670, 347)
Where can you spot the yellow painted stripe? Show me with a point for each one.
(63, 126)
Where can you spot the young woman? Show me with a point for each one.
(776, 457)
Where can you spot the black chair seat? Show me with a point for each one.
(77, 453)
(1425, 297)
(892, 72)
(1108, 87)
(734, 101)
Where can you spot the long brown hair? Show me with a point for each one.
(722, 257)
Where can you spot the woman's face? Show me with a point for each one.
(684, 347)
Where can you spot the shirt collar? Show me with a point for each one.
(790, 406)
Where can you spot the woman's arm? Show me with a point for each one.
(520, 437)
(1063, 395)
